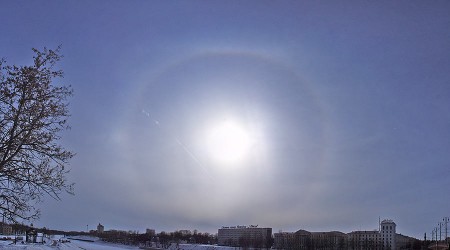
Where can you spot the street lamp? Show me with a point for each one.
(436, 231)
(446, 220)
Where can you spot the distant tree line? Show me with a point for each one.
(164, 239)
(125, 237)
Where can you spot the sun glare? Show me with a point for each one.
(228, 142)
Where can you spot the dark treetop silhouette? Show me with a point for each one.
(33, 112)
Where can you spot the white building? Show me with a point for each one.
(387, 232)
(384, 238)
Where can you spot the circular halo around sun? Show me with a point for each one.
(228, 142)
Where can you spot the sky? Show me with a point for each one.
(315, 115)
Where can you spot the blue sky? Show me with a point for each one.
(344, 107)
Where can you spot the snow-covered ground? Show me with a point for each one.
(53, 243)
(65, 244)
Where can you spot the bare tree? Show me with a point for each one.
(33, 113)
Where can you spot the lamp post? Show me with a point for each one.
(436, 230)
(446, 220)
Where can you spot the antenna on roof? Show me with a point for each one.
(379, 224)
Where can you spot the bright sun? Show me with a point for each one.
(228, 142)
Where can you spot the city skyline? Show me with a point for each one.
(283, 114)
(188, 230)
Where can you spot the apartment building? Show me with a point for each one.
(386, 238)
(244, 236)
(303, 239)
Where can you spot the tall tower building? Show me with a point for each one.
(387, 231)
(100, 228)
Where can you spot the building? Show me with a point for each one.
(329, 240)
(364, 240)
(283, 240)
(244, 236)
(405, 242)
(100, 228)
(6, 229)
(185, 232)
(387, 232)
(385, 238)
(150, 232)
(303, 239)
